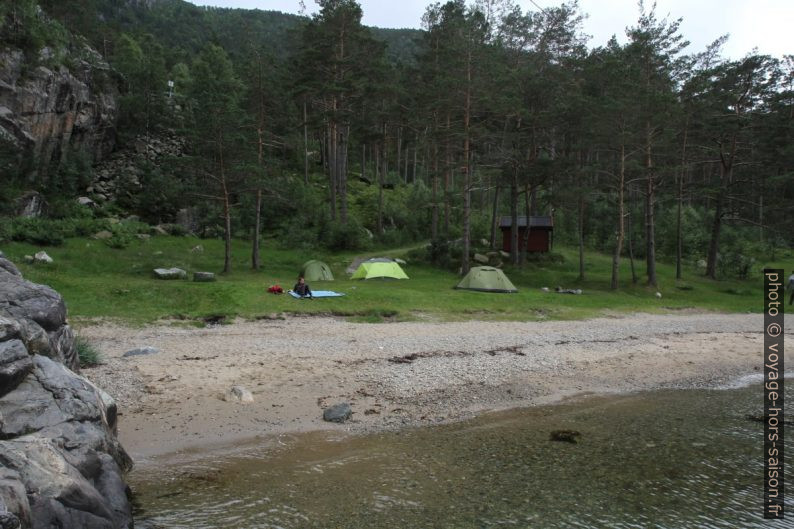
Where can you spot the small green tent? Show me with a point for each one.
(386, 270)
(487, 279)
(316, 271)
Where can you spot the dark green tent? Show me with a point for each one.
(487, 279)
(316, 271)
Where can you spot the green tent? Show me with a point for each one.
(487, 279)
(387, 270)
(316, 271)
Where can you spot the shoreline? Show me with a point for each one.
(394, 375)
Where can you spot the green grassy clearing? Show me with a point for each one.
(98, 281)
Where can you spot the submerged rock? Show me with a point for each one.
(565, 436)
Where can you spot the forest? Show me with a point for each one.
(320, 131)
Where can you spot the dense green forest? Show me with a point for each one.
(322, 131)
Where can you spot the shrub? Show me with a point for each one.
(37, 231)
(88, 354)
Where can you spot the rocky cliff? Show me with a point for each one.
(57, 107)
(60, 462)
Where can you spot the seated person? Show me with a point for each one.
(302, 289)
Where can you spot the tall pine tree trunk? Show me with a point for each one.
(650, 237)
(514, 249)
(630, 237)
(467, 172)
(581, 237)
(434, 213)
(255, 250)
(679, 239)
(305, 145)
(620, 231)
(332, 167)
(493, 217)
(342, 174)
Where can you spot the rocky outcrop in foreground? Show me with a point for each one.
(60, 462)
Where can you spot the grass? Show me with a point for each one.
(88, 354)
(97, 282)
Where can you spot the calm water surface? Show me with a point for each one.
(667, 459)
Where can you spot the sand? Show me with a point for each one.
(394, 375)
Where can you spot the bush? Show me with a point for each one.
(37, 231)
(88, 354)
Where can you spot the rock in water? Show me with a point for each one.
(203, 277)
(141, 351)
(338, 413)
(170, 273)
(238, 394)
(42, 257)
(565, 436)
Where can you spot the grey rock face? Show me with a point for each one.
(60, 462)
(338, 413)
(47, 113)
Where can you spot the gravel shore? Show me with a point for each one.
(395, 374)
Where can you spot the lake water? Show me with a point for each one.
(666, 459)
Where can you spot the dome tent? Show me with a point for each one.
(487, 279)
(379, 269)
(316, 271)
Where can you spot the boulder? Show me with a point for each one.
(203, 277)
(141, 351)
(28, 259)
(159, 230)
(170, 273)
(238, 394)
(485, 243)
(338, 413)
(197, 249)
(85, 201)
(504, 254)
(480, 258)
(42, 257)
(61, 464)
(102, 235)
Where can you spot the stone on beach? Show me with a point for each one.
(338, 413)
(141, 351)
(238, 394)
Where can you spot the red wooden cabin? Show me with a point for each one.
(541, 233)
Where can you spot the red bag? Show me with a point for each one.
(275, 289)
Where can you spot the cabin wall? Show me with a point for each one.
(539, 239)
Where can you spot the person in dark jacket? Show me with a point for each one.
(302, 289)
